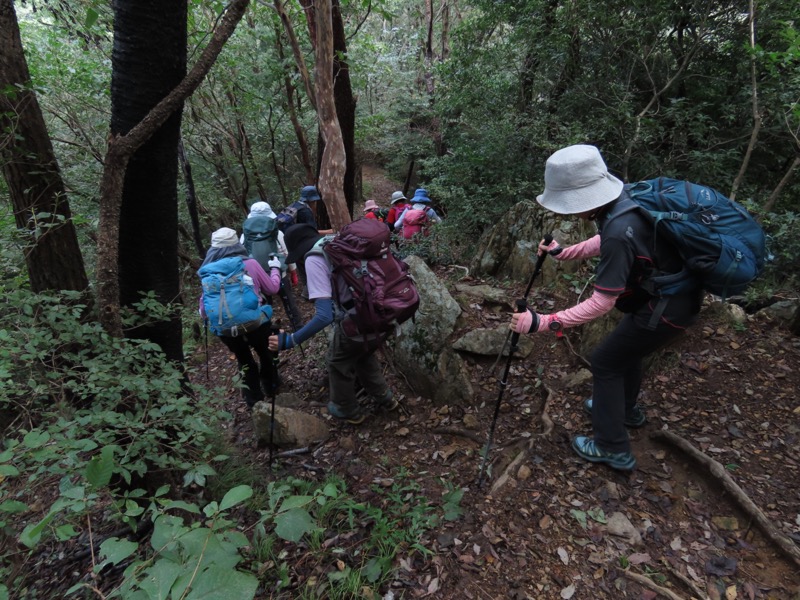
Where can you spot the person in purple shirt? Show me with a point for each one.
(224, 244)
(349, 358)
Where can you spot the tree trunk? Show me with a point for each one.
(332, 171)
(149, 60)
(191, 201)
(302, 140)
(52, 254)
(121, 149)
(345, 107)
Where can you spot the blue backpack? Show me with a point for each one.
(288, 216)
(722, 246)
(229, 298)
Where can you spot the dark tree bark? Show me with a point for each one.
(52, 254)
(149, 60)
(121, 148)
(191, 201)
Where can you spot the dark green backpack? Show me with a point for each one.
(261, 239)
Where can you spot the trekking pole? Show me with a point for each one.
(205, 330)
(522, 306)
(547, 239)
(273, 390)
(289, 307)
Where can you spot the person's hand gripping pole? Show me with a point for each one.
(521, 306)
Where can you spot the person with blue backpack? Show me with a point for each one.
(233, 305)
(661, 244)
(300, 211)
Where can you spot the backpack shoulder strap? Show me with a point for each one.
(319, 247)
(623, 205)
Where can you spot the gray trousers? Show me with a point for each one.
(348, 359)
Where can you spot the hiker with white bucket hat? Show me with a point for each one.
(577, 182)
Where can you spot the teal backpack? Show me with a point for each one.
(723, 248)
(261, 240)
(229, 298)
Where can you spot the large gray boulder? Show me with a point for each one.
(422, 352)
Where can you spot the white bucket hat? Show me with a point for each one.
(577, 180)
(262, 208)
(224, 237)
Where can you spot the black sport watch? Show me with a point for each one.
(555, 326)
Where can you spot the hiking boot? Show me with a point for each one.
(250, 399)
(355, 417)
(588, 450)
(634, 419)
(388, 402)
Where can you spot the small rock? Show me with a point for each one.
(471, 421)
(524, 473)
(621, 526)
(573, 380)
(725, 523)
(613, 490)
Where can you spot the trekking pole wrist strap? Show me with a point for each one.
(287, 341)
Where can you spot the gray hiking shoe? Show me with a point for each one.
(388, 401)
(353, 417)
(588, 450)
(634, 419)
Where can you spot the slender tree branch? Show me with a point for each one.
(298, 54)
(649, 583)
(773, 197)
(656, 96)
(756, 111)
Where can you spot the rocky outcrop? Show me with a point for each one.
(421, 352)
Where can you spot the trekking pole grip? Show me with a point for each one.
(548, 238)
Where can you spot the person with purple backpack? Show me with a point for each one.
(350, 357)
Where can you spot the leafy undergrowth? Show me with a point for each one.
(391, 508)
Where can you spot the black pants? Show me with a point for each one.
(254, 375)
(617, 377)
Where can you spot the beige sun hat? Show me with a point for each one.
(224, 237)
(577, 180)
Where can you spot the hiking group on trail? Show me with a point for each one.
(661, 244)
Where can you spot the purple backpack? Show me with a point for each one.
(384, 295)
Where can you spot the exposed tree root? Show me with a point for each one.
(515, 452)
(575, 352)
(745, 503)
(698, 593)
(649, 583)
(461, 432)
